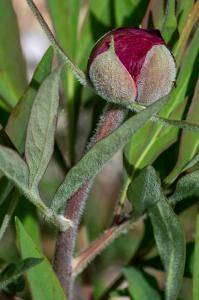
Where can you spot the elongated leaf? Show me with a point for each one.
(196, 263)
(65, 20)
(41, 128)
(16, 129)
(189, 143)
(12, 66)
(170, 241)
(184, 10)
(187, 186)
(129, 12)
(18, 121)
(42, 279)
(144, 191)
(101, 10)
(13, 167)
(94, 160)
(13, 271)
(139, 286)
(170, 22)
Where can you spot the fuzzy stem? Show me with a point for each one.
(110, 120)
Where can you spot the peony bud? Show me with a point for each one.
(131, 64)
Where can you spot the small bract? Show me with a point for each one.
(131, 64)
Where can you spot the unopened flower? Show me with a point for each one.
(131, 64)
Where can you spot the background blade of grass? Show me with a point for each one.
(65, 17)
(12, 65)
(130, 12)
(42, 279)
(189, 142)
(169, 25)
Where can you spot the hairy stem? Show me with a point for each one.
(110, 120)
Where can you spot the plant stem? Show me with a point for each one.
(110, 120)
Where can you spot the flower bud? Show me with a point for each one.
(131, 64)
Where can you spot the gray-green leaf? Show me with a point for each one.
(13, 167)
(41, 128)
(187, 186)
(93, 161)
(18, 120)
(144, 191)
(170, 241)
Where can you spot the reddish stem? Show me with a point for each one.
(110, 120)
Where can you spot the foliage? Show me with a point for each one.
(155, 204)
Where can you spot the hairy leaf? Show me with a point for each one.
(170, 241)
(187, 186)
(93, 161)
(144, 191)
(18, 121)
(42, 279)
(41, 128)
(13, 167)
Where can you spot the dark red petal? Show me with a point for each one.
(131, 47)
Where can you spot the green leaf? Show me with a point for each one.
(139, 286)
(18, 121)
(42, 280)
(144, 191)
(93, 161)
(187, 186)
(41, 128)
(16, 129)
(183, 14)
(170, 23)
(101, 10)
(196, 263)
(13, 271)
(187, 138)
(14, 167)
(129, 12)
(12, 66)
(65, 15)
(170, 241)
